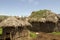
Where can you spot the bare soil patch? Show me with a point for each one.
(46, 36)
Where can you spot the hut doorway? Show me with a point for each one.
(7, 33)
(8, 39)
(8, 36)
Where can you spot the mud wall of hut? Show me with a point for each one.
(42, 27)
(58, 24)
(21, 34)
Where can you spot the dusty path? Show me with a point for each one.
(45, 36)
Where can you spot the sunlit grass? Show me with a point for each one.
(33, 35)
(1, 31)
(56, 33)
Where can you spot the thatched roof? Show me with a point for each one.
(36, 20)
(58, 15)
(24, 23)
(51, 18)
(43, 16)
(13, 22)
(2, 17)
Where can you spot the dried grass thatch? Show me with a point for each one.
(52, 17)
(43, 16)
(24, 23)
(58, 15)
(13, 22)
(36, 20)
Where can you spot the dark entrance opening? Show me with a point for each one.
(8, 39)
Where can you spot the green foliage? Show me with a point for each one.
(40, 13)
(1, 31)
(56, 33)
(33, 35)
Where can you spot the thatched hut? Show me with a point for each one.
(44, 24)
(58, 23)
(12, 28)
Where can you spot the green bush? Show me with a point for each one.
(33, 35)
(1, 31)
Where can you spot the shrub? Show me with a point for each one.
(33, 35)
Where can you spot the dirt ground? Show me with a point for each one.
(46, 36)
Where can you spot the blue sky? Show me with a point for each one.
(25, 7)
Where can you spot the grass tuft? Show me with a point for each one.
(56, 33)
(1, 31)
(33, 35)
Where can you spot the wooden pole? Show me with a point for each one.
(11, 36)
(4, 37)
